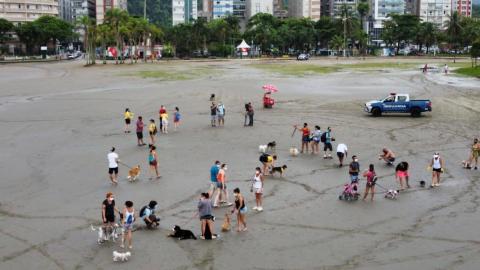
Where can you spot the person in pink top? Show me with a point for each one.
(140, 126)
(370, 187)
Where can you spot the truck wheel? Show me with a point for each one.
(376, 112)
(415, 112)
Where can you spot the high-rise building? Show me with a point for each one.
(83, 8)
(435, 11)
(380, 10)
(463, 7)
(222, 8)
(205, 9)
(184, 11)
(280, 9)
(258, 6)
(239, 9)
(65, 10)
(18, 11)
(411, 7)
(102, 6)
(336, 7)
(304, 9)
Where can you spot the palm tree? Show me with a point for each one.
(363, 8)
(104, 37)
(89, 32)
(116, 18)
(454, 31)
(337, 43)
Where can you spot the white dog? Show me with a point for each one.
(392, 194)
(262, 149)
(294, 151)
(107, 234)
(122, 257)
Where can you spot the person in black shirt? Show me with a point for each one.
(213, 113)
(108, 211)
(354, 169)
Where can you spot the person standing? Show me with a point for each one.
(475, 152)
(164, 122)
(152, 131)
(176, 118)
(127, 223)
(222, 185)
(153, 162)
(342, 152)
(139, 130)
(221, 114)
(213, 114)
(241, 209)
(305, 137)
(327, 143)
(113, 165)
(437, 164)
(401, 173)
(257, 188)
(108, 213)
(251, 113)
(316, 136)
(370, 186)
(160, 112)
(445, 69)
(354, 169)
(213, 179)
(205, 214)
(128, 119)
(246, 115)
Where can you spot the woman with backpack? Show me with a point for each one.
(370, 187)
(147, 213)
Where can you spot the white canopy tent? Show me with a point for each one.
(243, 45)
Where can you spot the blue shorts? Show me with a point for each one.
(354, 178)
(243, 210)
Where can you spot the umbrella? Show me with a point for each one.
(270, 88)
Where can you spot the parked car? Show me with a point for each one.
(398, 103)
(303, 57)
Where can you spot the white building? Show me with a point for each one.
(65, 10)
(380, 10)
(184, 11)
(304, 9)
(222, 8)
(102, 6)
(435, 11)
(18, 11)
(82, 8)
(258, 6)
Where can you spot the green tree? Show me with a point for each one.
(262, 29)
(5, 27)
(104, 39)
(337, 44)
(426, 35)
(454, 32)
(326, 30)
(89, 37)
(53, 29)
(401, 29)
(475, 52)
(363, 8)
(28, 33)
(117, 18)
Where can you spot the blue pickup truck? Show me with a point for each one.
(398, 103)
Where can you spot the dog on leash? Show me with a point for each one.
(107, 233)
(279, 170)
(262, 149)
(226, 223)
(121, 256)
(182, 234)
(294, 151)
(133, 173)
(392, 194)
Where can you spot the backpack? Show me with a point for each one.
(142, 211)
(323, 138)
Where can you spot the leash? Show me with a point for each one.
(119, 162)
(189, 220)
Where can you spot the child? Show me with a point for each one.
(164, 117)
(127, 222)
(152, 130)
(176, 118)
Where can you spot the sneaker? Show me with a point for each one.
(202, 237)
(260, 209)
(324, 156)
(214, 236)
(130, 247)
(255, 208)
(229, 204)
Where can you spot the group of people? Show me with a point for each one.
(217, 114)
(312, 140)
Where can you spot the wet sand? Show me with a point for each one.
(58, 122)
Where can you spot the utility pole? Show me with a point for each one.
(144, 41)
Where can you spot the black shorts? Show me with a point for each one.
(340, 154)
(207, 217)
(437, 170)
(113, 170)
(139, 135)
(110, 219)
(327, 146)
(127, 121)
(392, 159)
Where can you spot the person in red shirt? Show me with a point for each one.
(370, 188)
(160, 112)
(305, 137)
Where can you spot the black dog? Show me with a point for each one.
(280, 170)
(182, 234)
(271, 146)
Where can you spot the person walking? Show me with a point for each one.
(160, 112)
(251, 113)
(153, 162)
(221, 114)
(213, 114)
(342, 152)
(128, 119)
(113, 165)
(245, 123)
(257, 188)
(240, 209)
(222, 185)
(327, 143)
(140, 125)
(437, 164)
(164, 121)
(152, 131)
(305, 137)
(474, 153)
(213, 179)
(127, 223)
(354, 169)
(108, 213)
(176, 118)
(205, 214)
(316, 136)
(370, 186)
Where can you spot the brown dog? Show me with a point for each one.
(226, 223)
(134, 173)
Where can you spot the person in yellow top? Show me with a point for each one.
(152, 130)
(164, 119)
(128, 119)
(475, 153)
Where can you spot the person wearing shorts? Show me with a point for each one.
(205, 214)
(341, 153)
(354, 169)
(437, 164)
(222, 185)
(140, 125)
(127, 223)
(128, 119)
(113, 160)
(370, 186)
(108, 212)
(305, 137)
(327, 145)
(388, 156)
(152, 131)
(213, 114)
(153, 162)
(241, 209)
(316, 135)
(176, 118)
(221, 114)
(213, 179)
(257, 188)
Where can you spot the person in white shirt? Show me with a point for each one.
(341, 153)
(113, 165)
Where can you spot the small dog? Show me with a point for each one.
(105, 235)
(262, 149)
(271, 146)
(182, 234)
(279, 170)
(121, 257)
(392, 194)
(134, 173)
(294, 152)
(422, 183)
(226, 223)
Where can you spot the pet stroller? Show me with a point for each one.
(350, 192)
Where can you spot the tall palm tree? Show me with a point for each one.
(89, 32)
(454, 31)
(337, 43)
(116, 18)
(104, 37)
